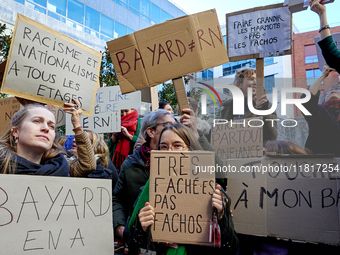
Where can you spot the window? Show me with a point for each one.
(134, 4)
(20, 1)
(268, 61)
(310, 54)
(164, 16)
(57, 6)
(106, 26)
(130, 31)
(122, 3)
(120, 30)
(312, 75)
(40, 2)
(35, 7)
(145, 7)
(56, 16)
(75, 11)
(207, 74)
(269, 83)
(231, 67)
(92, 18)
(155, 13)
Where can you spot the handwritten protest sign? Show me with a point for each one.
(262, 31)
(242, 140)
(287, 197)
(49, 67)
(106, 113)
(8, 107)
(169, 50)
(181, 197)
(336, 38)
(55, 215)
(59, 114)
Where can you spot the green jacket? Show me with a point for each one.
(330, 52)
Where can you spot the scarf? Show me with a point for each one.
(333, 106)
(129, 121)
(56, 166)
(145, 151)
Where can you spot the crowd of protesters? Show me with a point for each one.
(31, 147)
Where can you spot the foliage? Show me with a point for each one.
(167, 94)
(5, 42)
(107, 74)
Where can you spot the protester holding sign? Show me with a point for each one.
(177, 137)
(121, 144)
(246, 78)
(329, 49)
(324, 121)
(30, 145)
(85, 162)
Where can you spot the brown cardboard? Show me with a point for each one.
(55, 215)
(8, 107)
(49, 67)
(299, 205)
(237, 141)
(169, 50)
(173, 200)
(255, 55)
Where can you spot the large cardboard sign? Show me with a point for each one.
(106, 113)
(336, 38)
(169, 50)
(8, 107)
(259, 32)
(55, 215)
(59, 114)
(242, 140)
(181, 196)
(49, 67)
(287, 197)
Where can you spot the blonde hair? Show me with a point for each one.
(8, 146)
(99, 147)
(242, 73)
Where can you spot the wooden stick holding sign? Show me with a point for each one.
(180, 94)
(259, 78)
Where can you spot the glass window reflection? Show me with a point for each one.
(92, 18)
(106, 26)
(155, 13)
(57, 6)
(75, 11)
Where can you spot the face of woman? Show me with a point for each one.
(170, 141)
(333, 94)
(125, 112)
(249, 82)
(37, 132)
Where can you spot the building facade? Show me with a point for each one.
(305, 62)
(91, 22)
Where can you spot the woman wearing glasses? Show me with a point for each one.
(177, 137)
(324, 121)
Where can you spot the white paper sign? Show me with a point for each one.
(106, 113)
(55, 215)
(336, 38)
(263, 31)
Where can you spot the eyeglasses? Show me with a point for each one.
(173, 147)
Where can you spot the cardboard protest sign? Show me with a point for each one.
(8, 107)
(169, 50)
(259, 32)
(286, 197)
(59, 114)
(336, 38)
(241, 138)
(106, 113)
(49, 67)
(181, 196)
(55, 215)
